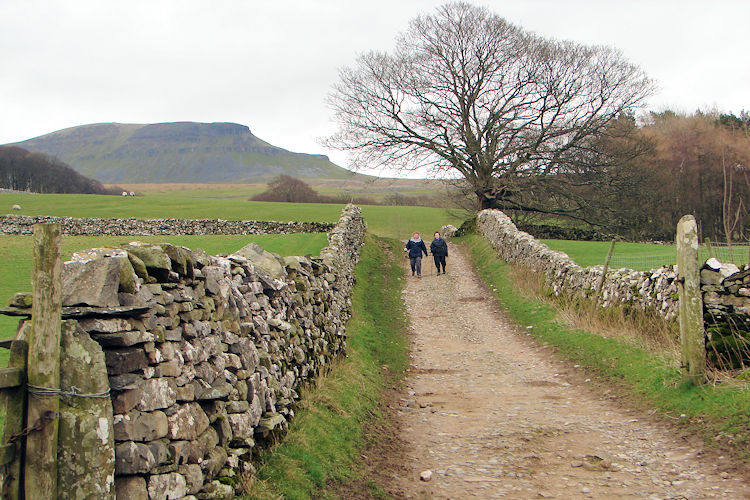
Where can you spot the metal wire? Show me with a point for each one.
(48, 392)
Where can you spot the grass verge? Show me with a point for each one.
(720, 414)
(323, 444)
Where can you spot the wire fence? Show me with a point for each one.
(736, 253)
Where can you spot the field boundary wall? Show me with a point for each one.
(23, 224)
(205, 358)
(725, 288)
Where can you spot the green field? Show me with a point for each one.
(385, 221)
(15, 251)
(637, 256)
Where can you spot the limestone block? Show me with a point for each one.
(92, 282)
(167, 486)
(125, 360)
(270, 262)
(216, 490)
(133, 458)
(188, 422)
(213, 463)
(193, 477)
(140, 426)
(156, 394)
(131, 488)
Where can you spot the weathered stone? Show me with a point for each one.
(91, 283)
(167, 486)
(133, 458)
(271, 421)
(131, 487)
(218, 390)
(153, 257)
(123, 339)
(204, 443)
(193, 476)
(213, 463)
(126, 360)
(102, 325)
(160, 451)
(216, 490)
(85, 434)
(270, 262)
(128, 278)
(22, 300)
(157, 394)
(243, 424)
(188, 422)
(125, 381)
(140, 426)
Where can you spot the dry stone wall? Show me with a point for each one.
(205, 355)
(725, 287)
(654, 290)
(23, 224)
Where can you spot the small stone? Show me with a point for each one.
(425, 475)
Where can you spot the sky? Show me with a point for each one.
(270, 65)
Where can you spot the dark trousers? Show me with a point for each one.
(439, 261)
(416, 265)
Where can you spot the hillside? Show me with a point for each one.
(177, 152)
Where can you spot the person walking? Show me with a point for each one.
(439, 250)
(415, 246)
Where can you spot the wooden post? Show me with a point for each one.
(710, 249)
(691, 304)
(15, 409)
(40, 468)
(606, 268)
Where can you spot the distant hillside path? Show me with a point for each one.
(494, 415)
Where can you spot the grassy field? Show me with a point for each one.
(386, 221)
(718, 413)
(638, 256)
(325, 440)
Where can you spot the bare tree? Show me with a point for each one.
(466, 93)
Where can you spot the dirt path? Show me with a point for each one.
(494, 415)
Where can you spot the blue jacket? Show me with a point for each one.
(415, 248)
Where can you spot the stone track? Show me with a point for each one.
(494, 414)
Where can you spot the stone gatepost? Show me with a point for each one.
(691, 304)
(86, 444)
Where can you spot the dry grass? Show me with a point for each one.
(638, 328)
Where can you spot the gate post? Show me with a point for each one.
(40, 469)
(692, 336)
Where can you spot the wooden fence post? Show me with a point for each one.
(40, 470)
(691, 304)
(15, 411)
(604, 271)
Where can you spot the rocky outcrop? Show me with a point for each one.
(205, 356)
(23, 224)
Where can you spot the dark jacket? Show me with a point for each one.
(439, 247)
(416, 247)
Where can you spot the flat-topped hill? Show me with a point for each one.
(177, 152)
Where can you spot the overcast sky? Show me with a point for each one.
(270, 64)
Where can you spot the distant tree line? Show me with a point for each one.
(22, 170)
(285, 188)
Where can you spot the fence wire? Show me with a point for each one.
(737, 254)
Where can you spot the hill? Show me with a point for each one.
(177, 152)
(24, 171)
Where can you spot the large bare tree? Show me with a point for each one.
(467, 93)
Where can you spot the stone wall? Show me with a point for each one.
(23, 224)
(654, 290)
(205, 355)
(726, 305)
(726, 288)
